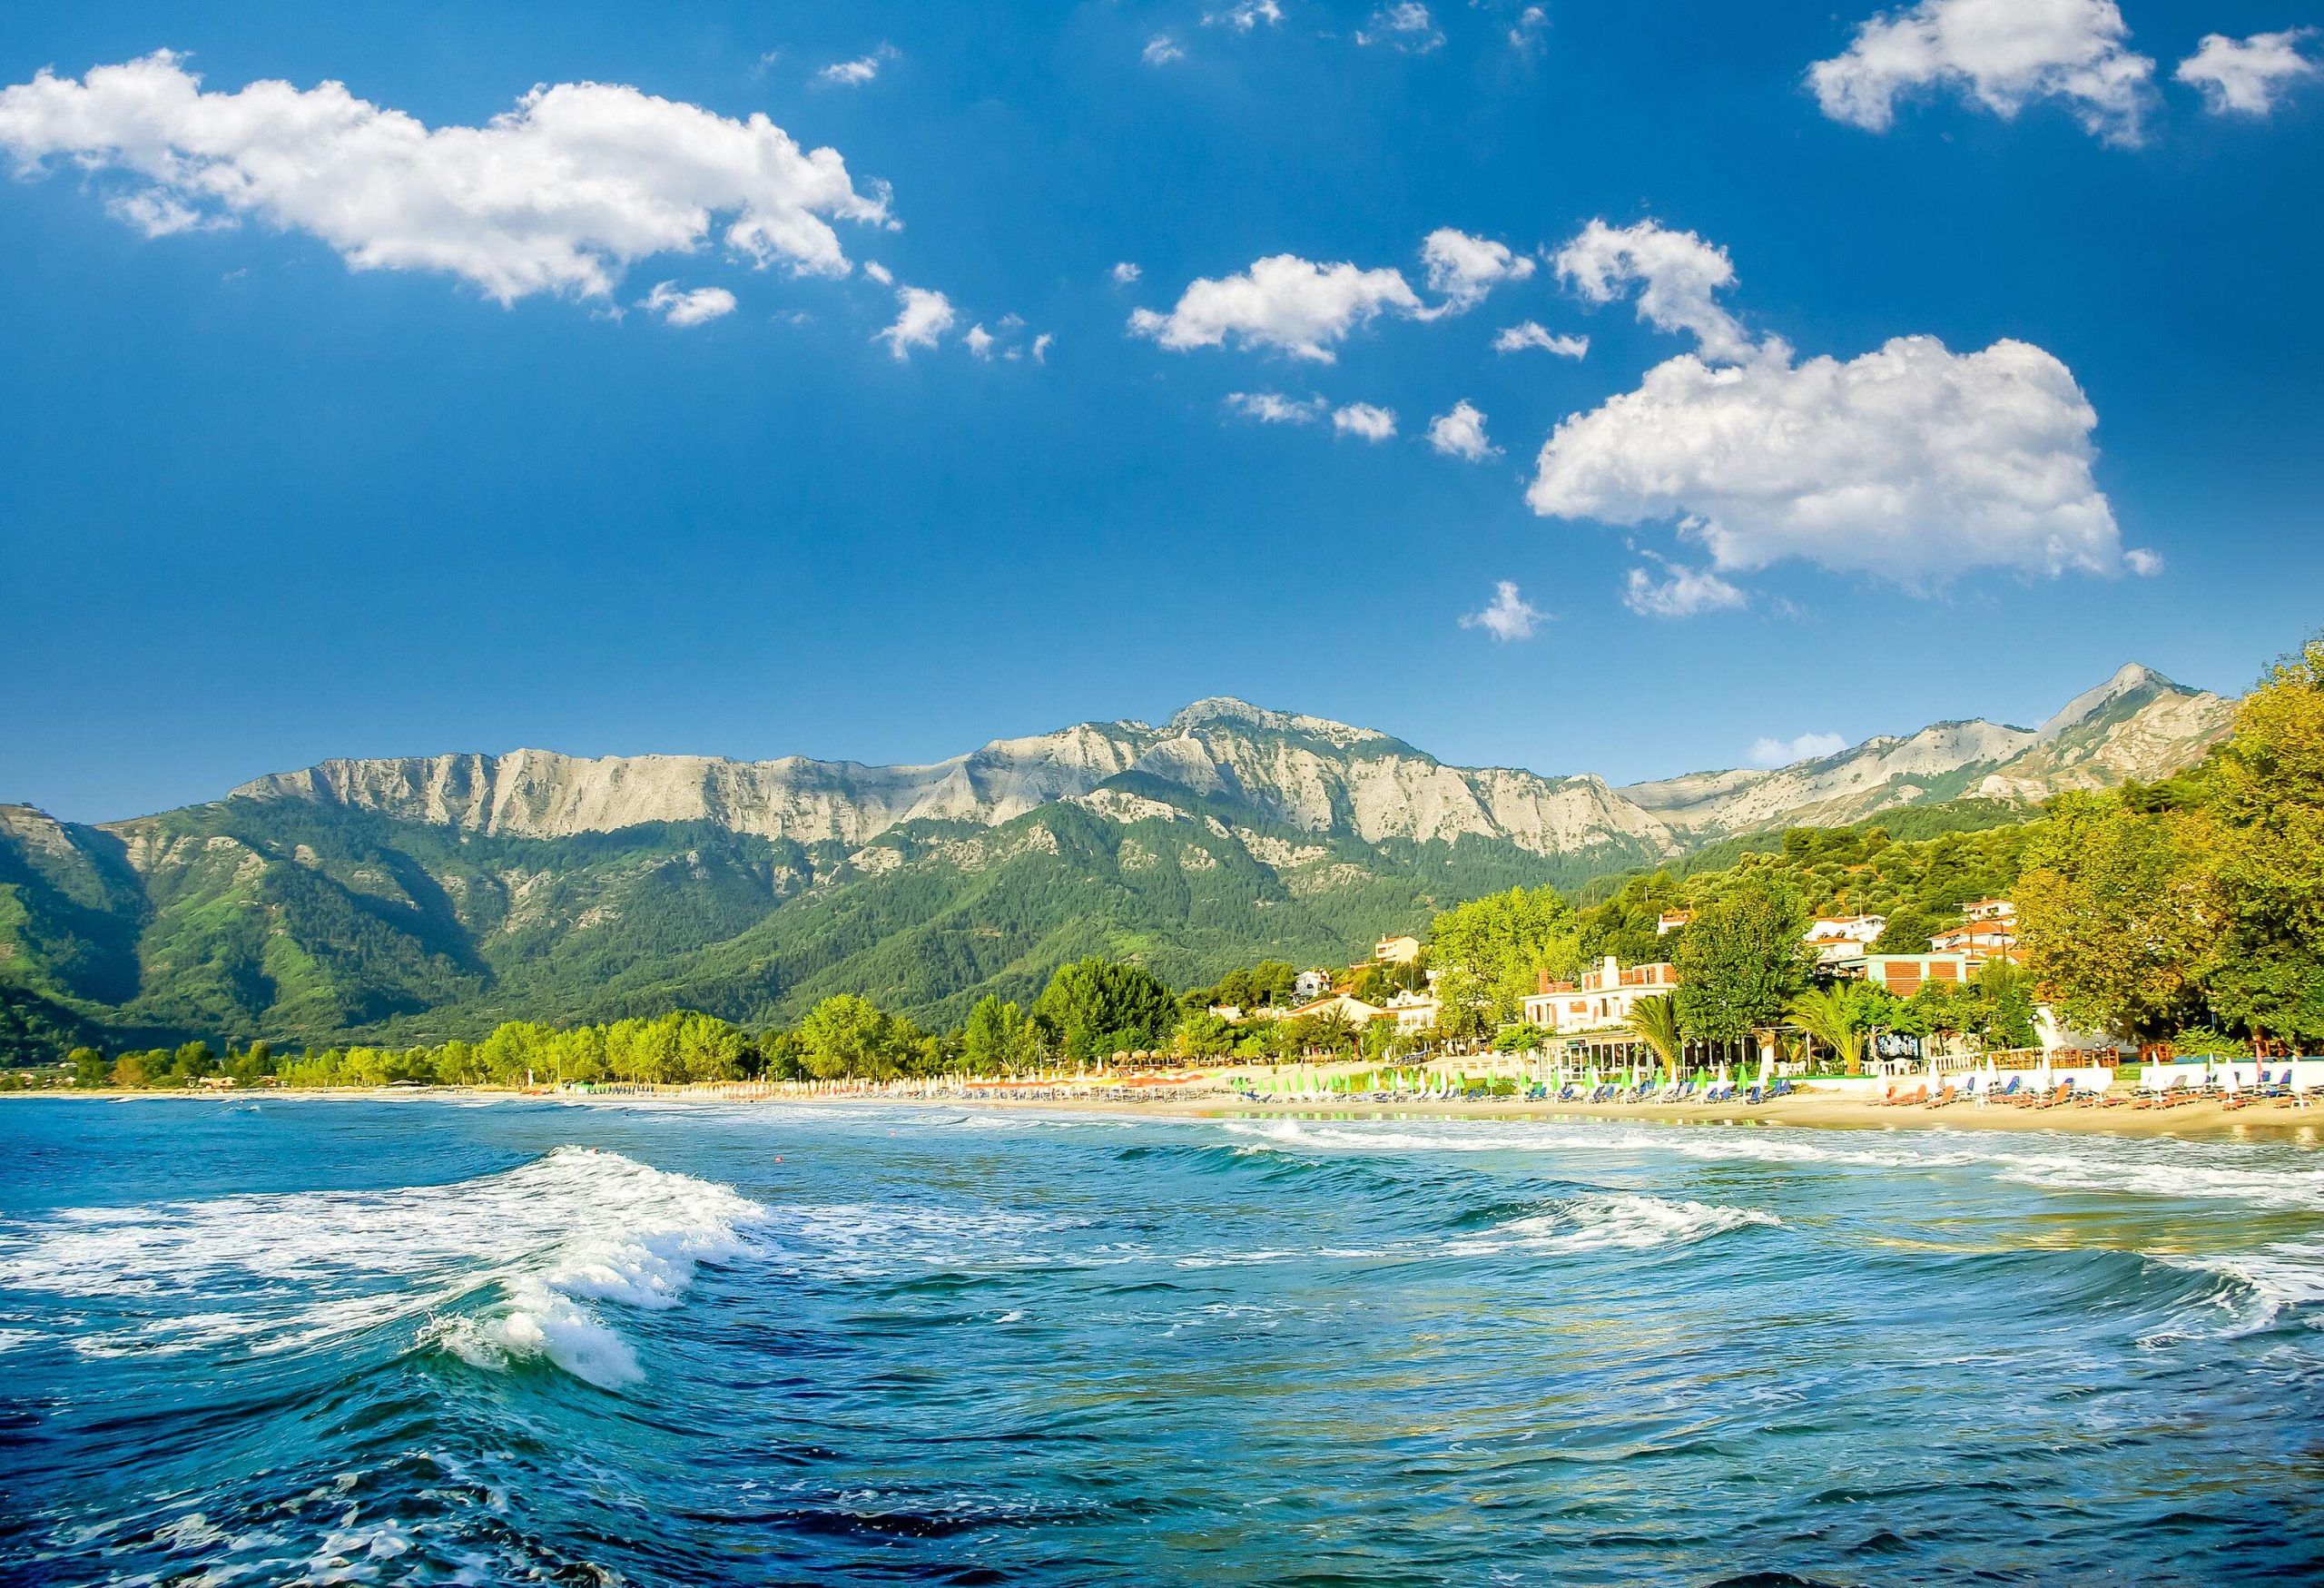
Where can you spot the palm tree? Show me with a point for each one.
(1837, 1017)
(1655, 1022)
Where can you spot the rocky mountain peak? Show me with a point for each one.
(2132, 679)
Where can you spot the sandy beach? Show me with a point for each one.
(2259, 1120)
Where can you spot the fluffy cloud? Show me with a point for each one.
(1273, 408)
(1404, 23)
(1910, 463)
(923, 317)
(2248, 76)
(1508, 615)
(1042, 348)
(1532, 24)
(978, 341)
(1464, 268)
(1161, 50)
(558, 195)
(1283, 302)
(1364, 419)
(1681, 592)
(2003, 54)
(1126, 274)
(1676, 273)
(1527, 334)
(698, 307)
(1245, 15)
(1461, 433)
(1807, 747)
(862, 70)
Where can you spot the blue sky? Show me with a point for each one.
(262, 508)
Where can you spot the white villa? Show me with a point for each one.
(1310, 985)
(1396, 951)
(1413, 1011)
(1843, 937)
(1602, 996)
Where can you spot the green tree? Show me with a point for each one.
(1000, 1039)
(2263, 804)
(192, 1061)
(1099, 1007)
(845, 1035)
(1505, 941)
(1839, 1017)
(1741, 960)
(89, 1067)
(2116, 916)
(1655, 1022)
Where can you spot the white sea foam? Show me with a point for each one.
(2243, 1172)
(270, 1272)
(1621, 1221)
(2263, 1285)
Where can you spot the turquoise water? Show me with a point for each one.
(423, 1342)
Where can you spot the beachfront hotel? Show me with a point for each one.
(1601, 996)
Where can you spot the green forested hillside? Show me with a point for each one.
(301, 922)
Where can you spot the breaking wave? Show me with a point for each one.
(1620, 1222)
(544, 1241)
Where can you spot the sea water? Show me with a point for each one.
(415, 1341)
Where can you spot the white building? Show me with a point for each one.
(1413, 1011)
(1843, 937)
(1602, 996)
(1310, 985)
(1396, 951)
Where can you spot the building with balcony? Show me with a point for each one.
(1599, 997)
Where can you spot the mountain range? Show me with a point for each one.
(400, 899)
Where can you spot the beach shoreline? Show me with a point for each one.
(2207, 1119)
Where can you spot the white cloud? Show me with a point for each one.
(924, 318)
(1508, 615)
(1364, 419)
(2248, 76)
(1285, 302)
(1461, 433)
(1527, 334)
(980, 342)
(1245, 15)
(879, 272)
(1910, 463)
(1682, 592)
(1405, 24)
(1532, 24)
(2005, 55)
(698, 307)
(1806, 748)
(759, 67)
(1676, 273)
(1126, 274)
(558, 195)
(2144, 563)
(1042, 348)
(1161, 50)
(1273, 408)
(862, 70)
(1464, 268)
